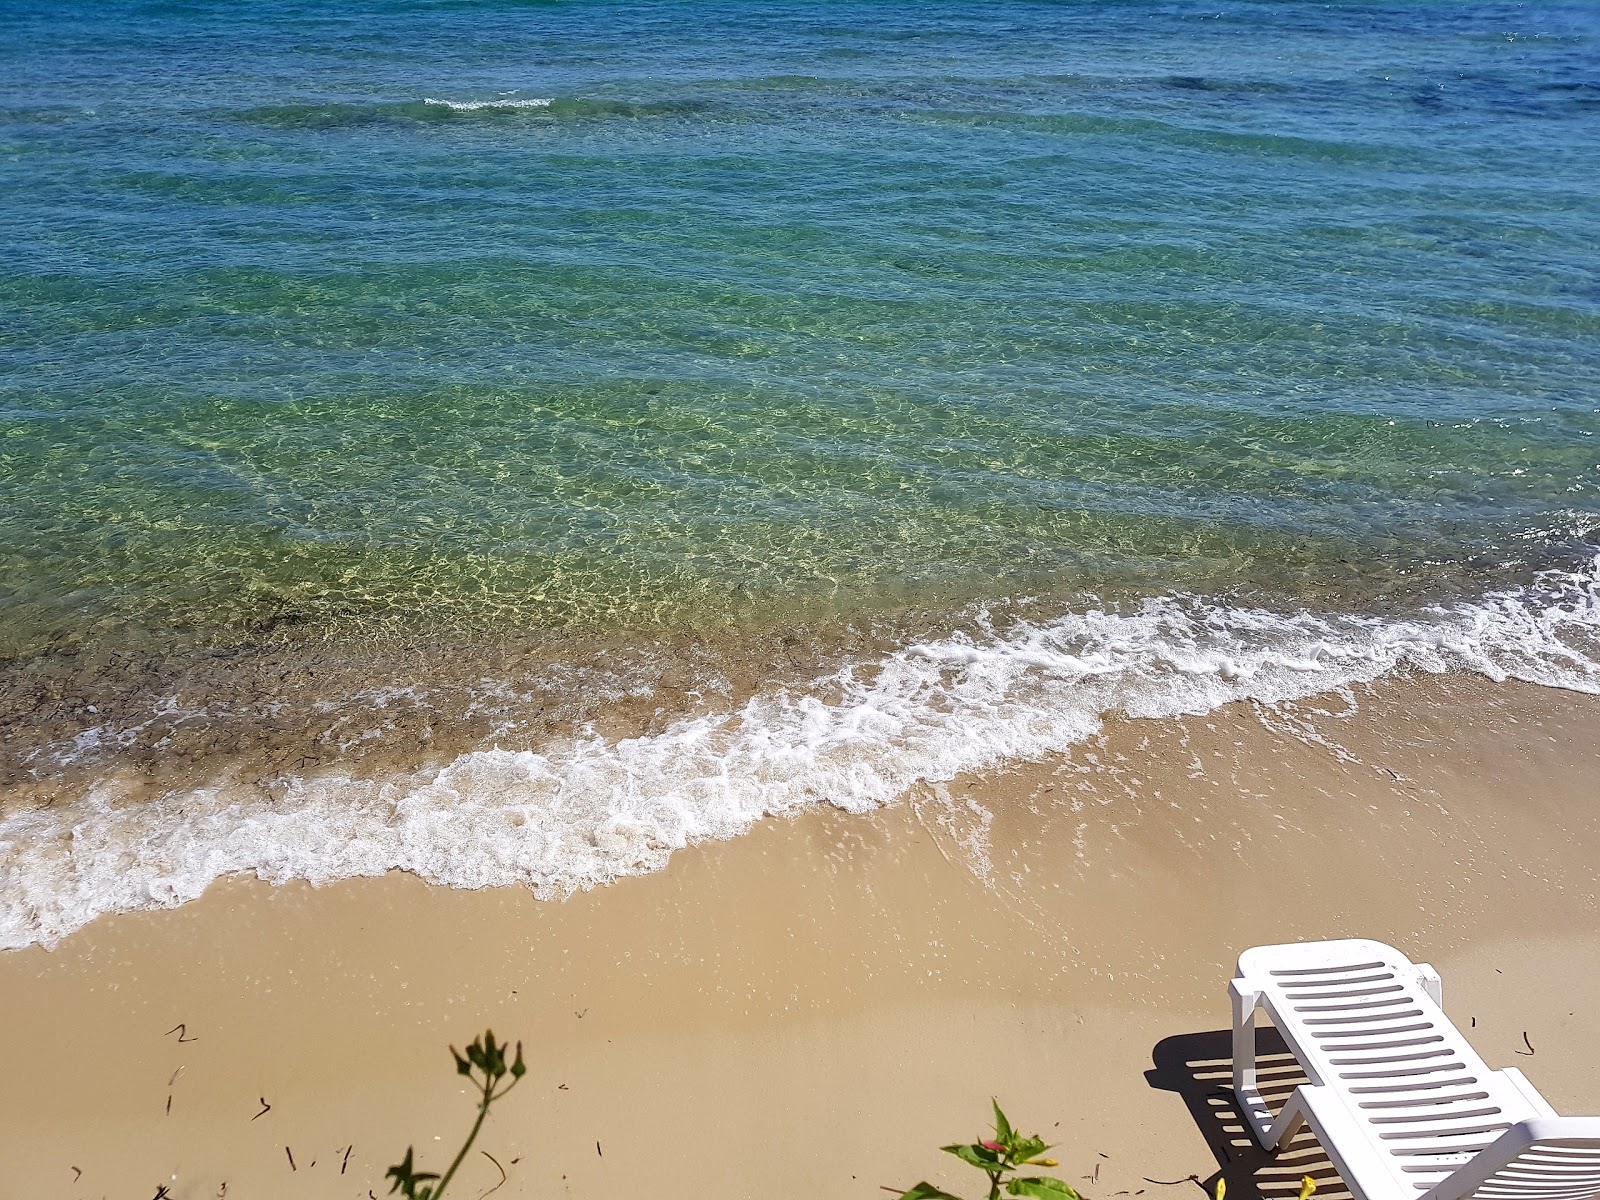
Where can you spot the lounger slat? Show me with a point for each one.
(1360, 966)
(1422, 1117)
(1372, 1060)
(1442, 1141)
(1408, 1085)
(1423, 1027)
(1432, 1100)
(1324, 981)
(1518, 1171)
(1357, 1005)
(1404, 1074)
(1325, 1023)
(1431, 1039)
(1378, 985)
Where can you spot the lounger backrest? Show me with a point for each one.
(1546, 1158)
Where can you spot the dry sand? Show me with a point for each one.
(810, 1010)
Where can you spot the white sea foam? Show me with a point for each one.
(588, 811)
(475, 105)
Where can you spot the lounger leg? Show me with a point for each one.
(1244, 1037)
(1287, 1125)
(1251, 1106)
(1431, 983)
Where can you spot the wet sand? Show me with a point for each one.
(813, 1008)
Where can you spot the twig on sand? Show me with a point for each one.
(290, 1153)
(1528, 1044)
(346, 1161)
(182, 1032)
(265, 1108)
(597, 1149)
(1171, 1182)
(497, 1167)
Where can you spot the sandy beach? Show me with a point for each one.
(813, 1008)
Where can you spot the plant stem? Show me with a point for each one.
(994, 1185)
(483, 1111)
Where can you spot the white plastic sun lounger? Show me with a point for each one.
(1401, 1103)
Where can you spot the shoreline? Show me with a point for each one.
(574, 775)
(835, 995)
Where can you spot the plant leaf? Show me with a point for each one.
(1026, 1148)
(979, 1156)
(926, 1191)
(1042, 1187)
(1002, 1127)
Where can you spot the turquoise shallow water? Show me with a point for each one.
(319, 320)
(512, 441)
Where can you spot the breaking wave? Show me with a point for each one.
(589, 810)
(476, 105)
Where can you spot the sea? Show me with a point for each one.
(512, 440)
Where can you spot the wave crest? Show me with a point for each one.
(476, 105)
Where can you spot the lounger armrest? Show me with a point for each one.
(1570, 1133)
(1529, 1093)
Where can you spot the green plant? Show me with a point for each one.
(1000, 1158)
(488, 1059)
